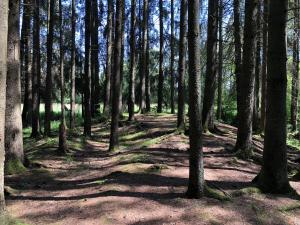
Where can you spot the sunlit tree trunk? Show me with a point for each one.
(220, 69)
(73, 67)
(172, 85)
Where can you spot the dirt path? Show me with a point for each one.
(142, 184)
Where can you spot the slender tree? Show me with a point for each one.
(26, 62)
(181, 65)
(295, 67)
(114, 134)
(273, 175)
(122, 62)
(108, 73)
(36, 71)
(14, 153)
(132, 72)
(62, 127)
(211, 65)
(73, 67)
(3, 74)
(244, 135)
(220, 60)
(172, 86)
(161, 58)
(87, 70)
(196, 168)
(147, 79)
(144, 57)
(48, 93)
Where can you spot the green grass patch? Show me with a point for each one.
(216, 194)
(8, 220)
(289, 208)
(135, 158)
(246, 191)
(156, 168)
(129, 137)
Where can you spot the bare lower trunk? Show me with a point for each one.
(196, 168)
(3, 74)
(161, 59)
(73, 68)
(220, 69)
(172, 85)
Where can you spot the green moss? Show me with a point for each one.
(132, 136)
(8, 220)
(156, 168)
(247, 191)
(289, 208)
(244, 153)
(135, 158)
(216, 194)
(14, 166)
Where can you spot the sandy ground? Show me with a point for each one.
(144, 183)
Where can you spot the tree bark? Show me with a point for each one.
(295, 67)
(196, 168)
(108, 74)
(36, 72)
(211, 65)
(244, 134)
(62, 128)
(48, 93)
(114, 134)
(3, 74)
(144, 57)
(122, 63)
(181, 65)
(172, 86)
(132, 70)
(147, 79)
(273, 175)
(73, 68)
(26, 62)
(87, 71)
(161, 59)
(220, 69)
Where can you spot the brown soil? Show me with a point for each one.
(144, 183)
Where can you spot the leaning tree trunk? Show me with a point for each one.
(114, 134)
(181, 65)
(62, 127)
(211, 65)
(220, 69)
(26, 62)
(161, 59)
(3, 74)
(87, 71)
(108, 73)
(264, 65)
(172, 86)
(244, 134)
(273, 175)
(144, 57)
(295, 67)
(14, 152)
(238, 53)
(36, 72)
(196, 168)
(132, 70)
(73, 68)
(48, 93)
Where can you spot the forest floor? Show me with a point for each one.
(143, 183)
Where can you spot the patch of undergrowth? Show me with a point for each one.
(8, 220)
(216, 194)
(129, 137)
(14, 166)
(156, 168)
(293, 141)
(289, 208)
(246, 191)
(135, 158)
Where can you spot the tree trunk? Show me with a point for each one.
(108, 74)
(36, 72)
(256, 114)
(14, 152)
(295, 67)
(26, 62)
(244, 134)
(181, 65)
(87, 71)
(172, 86)
(73, 68)
(147, 79)
(132, 70)
(114, 134)
(273, 175)
(62, 128)
(211, 64)
(264, 66)
(220, 69)
(196, 168)
(48, 93)
(3, 74)
(238, 53)
(122, 63)
(144, 57)
(161, 59)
